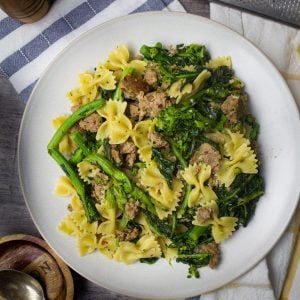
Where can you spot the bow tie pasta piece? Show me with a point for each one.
(76, 224)
(219, 61)
(103, 131)
(120, 130)
(168, 197)
(68, 227)
(86, 244)
(64, 187)
(197, 175)
(105, 211)
(234, 140)
(107, 245)
(139, 136)
(86, 83)
(87, 171)
(75, 203)
(118, 126)
(151, 177)
(89, 84)
(222, 228)
(81, 222)
(110, 214)
(140, 133)
(104, 78)
(75, 96)
(127, 253)
(117, 130)
(119, 59)
(174, 195)
(111, 109)
(146, 247)
(115, 122)
(145, 154)
(241, 158)
(158, 189)
(87, 90)
(137, 65)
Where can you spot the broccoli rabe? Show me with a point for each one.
(251, 127)
(240, 199)
(220, 76)
(89, 206)
(188, 244)
(194, 260)
(184, 125)
(165, 166)
(158, 226)
(174, 63)
(220, 85)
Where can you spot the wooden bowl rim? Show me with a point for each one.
(41, 243)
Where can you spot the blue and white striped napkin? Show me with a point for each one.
(27, 49)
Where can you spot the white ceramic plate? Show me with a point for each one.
(271, 102)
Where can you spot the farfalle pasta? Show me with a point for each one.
(146, 247)
(240, 158)
(160, 157)
(219, 61)
(201, 193)
(119, 59)
(167, 195)
(64, 187)
(87, 171)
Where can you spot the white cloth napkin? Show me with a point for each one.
(277, 276)
(27, 49)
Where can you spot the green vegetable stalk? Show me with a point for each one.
(184, 203)
(77, 157)
(165, 166)
(193, 54)
(81, 113)
(89, 207)
(78, 139)
(109, 169)
(91, 212)
(130, 188)
(188, 187)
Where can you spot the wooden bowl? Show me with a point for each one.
(33, 256)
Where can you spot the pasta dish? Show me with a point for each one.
(160, 156)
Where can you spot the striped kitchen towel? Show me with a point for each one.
(27, 49)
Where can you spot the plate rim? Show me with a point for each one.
(200, 19)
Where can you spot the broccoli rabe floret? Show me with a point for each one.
(174, 63)
(240, 199)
